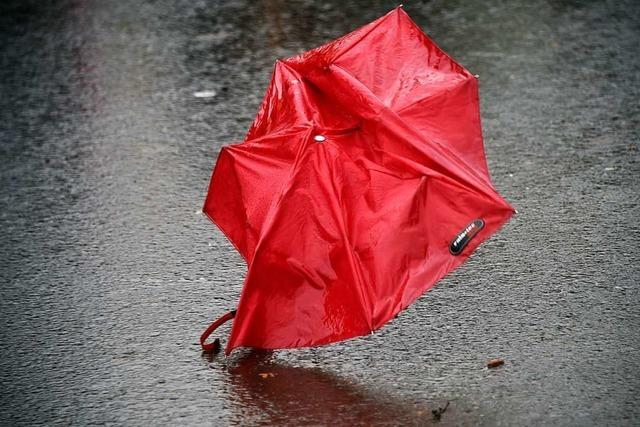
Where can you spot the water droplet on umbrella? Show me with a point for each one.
(319, 138)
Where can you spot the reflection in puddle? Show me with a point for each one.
(264, 390)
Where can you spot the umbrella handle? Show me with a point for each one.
(215, 345)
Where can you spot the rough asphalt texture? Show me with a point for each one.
(108, 273)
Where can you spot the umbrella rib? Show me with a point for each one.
(353, 262)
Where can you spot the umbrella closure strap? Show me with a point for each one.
(215, 345)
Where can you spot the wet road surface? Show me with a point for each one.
(108, 272)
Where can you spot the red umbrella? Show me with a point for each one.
(360, 184)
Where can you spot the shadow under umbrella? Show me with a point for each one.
(264, 390)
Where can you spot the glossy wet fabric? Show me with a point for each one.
(364, 163)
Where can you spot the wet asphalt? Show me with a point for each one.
(108, 271)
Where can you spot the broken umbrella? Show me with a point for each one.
(360, 184)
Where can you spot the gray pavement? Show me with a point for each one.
(108, 273)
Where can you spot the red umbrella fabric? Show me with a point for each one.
(360, 184)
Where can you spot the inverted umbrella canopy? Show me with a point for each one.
(360, 184)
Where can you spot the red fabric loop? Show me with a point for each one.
(215, 345)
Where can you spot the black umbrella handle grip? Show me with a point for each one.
(214, 346)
